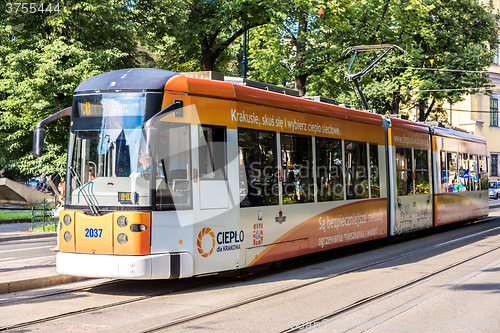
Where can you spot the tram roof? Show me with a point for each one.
(149, 79)
(448, 132)
(236, 92)
(133, 79)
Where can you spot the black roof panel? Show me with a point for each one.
(127, 79)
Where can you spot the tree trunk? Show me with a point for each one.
(423, 110)
(208, 61)
(300, 44)
(396, 99)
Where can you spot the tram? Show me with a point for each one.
(171, 176)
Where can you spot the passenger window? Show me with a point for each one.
(473, 172)
(483, 169)
(329, 169)
(212, 152)
(258, 168)
(404, 167)
(296, 162)
(374, 172)
(356, 165)
(444, 172)
(421, 171)
(451, 159)
(463, 172)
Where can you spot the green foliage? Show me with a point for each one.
(11, 215)
(43, 57)
(448, 34)
(454, 35)
(197, 34)
(297, 44)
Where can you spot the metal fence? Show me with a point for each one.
(42, 216)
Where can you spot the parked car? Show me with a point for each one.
(494, 189)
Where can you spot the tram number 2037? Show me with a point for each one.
(89, 232)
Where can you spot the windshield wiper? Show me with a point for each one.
(88, 199)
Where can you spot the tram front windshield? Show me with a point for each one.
(106, 166)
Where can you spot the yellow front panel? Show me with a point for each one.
(68, 230)
(94, 234)
(132, 241)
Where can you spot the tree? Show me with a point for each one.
(197, 34)
(453, 36)
(43, 57)
(294, 46)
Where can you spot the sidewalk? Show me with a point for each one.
(26, 274)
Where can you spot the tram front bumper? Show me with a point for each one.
(155, 266)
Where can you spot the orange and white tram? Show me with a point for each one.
(171, 176)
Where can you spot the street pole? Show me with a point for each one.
(244, 61)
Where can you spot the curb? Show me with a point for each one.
(21, 237)
(36, 283)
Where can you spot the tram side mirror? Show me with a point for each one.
(38, 139)
(147, 141)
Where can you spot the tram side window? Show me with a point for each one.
(421, 171)
(463, 172)
(374, 171)
(329, 169)
(404, 167)
(356, 164)
(444, 172)
(258, 168)
(296, 162)
(452, 167)
(173, 184)
(473, 171)
(483, 169)
(212, 152)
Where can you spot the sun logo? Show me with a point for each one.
(205, 244)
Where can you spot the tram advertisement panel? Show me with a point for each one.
(344, 225)
(411, 169)
(462, 177)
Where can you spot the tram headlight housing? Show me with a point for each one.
(67, 219)
(122, 221)
(138, 227)
(122, 238)
(67, 236)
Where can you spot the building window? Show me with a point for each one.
(494, 112)
(494, 165)
(496, 55)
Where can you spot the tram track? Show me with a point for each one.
(305, 326)
(350, 307)
(187, 319)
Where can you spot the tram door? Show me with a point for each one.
(212, 172)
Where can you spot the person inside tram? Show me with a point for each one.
(91, 173)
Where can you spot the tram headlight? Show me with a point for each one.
(67, 219)
(138, 227)
(122, 238)
(122, 221)
(67, 236)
